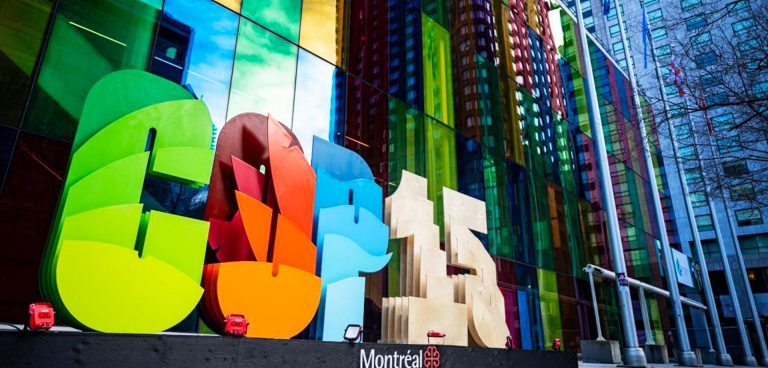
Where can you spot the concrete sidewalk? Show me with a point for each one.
(670, 365)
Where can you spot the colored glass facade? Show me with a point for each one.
(482, 96)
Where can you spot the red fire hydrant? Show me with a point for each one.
(556, 344)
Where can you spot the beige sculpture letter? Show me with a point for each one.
(467, 308)
(427, 302)
(478, 290)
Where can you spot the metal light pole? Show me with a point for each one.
(742, 266)
(633, 355)
(749, 359)
(687, 357)
(723, 357)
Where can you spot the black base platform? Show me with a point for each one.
(75, 349)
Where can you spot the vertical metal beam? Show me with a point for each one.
(633, 355)
(709, 337)
(723, 357)
(750, 295)
(740, 260)
(649, 340)
(686, 356)
(594, 307)
(749, 359)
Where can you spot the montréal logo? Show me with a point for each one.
(429, 358)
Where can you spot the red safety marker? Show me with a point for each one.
(236, 325)
(41, 316)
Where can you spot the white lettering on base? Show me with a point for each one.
(392, 360)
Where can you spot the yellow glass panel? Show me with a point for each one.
(232, 4)
(322, 28)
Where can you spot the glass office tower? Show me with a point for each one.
(482, 96)
(702, 27)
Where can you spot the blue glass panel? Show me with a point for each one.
(195, 48)
(525, 318)
(315, 104)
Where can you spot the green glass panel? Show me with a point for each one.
(157, 4)
(637, 252)
(441, 164)
(652, 136)
(540, 222)
(406, 142)
(622, 192)
(439, 10)
(610, 129)
(654, 315)
(570, 48)
(496, 205)
(609, 310)
(578, 257)
(581, 104)
(658, 169)
(513, 135)
(521, 236)
(438, 83)
(550, 307)
(646, 204)
(264, 74)
(22, 27)
(393, 268)
(279, 16)
(571, 55)
(528, 110)
(494, 156)
(564, 148)
(587, 216)
(90, 39)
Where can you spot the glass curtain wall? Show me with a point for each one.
(482, 96)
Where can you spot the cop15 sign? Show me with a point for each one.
(288, 238)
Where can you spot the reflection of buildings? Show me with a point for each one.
(172, 54)
(18, 54)
(364, 127)
(383, 54)
(405, 63)
(172, 50)
(171, 60)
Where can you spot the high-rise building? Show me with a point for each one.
(697, 37)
